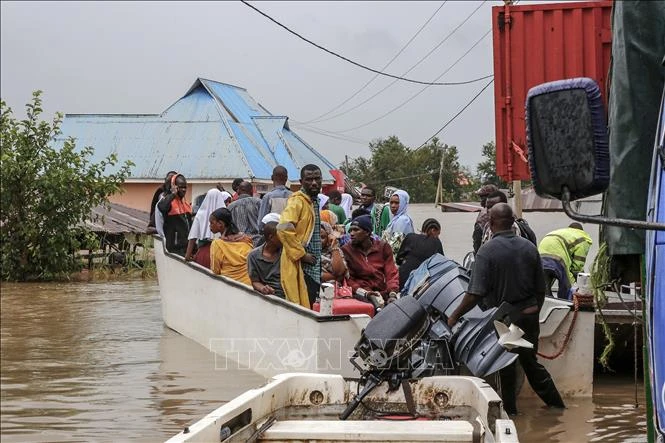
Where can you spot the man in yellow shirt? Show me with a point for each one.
(563, 253)
(300, 234)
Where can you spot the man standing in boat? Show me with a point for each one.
(300, 234)
(508, 269)
(177, 214)
(380, 213)
(275, 200)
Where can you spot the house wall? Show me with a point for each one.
(139, 195)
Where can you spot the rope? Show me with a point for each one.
(578, 299)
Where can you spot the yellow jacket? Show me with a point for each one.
(568, 245)
(295, 228)
(228, 257)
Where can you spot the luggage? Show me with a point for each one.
(343, 306)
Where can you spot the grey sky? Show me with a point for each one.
(133, 57)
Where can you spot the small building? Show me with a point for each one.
(214, 133)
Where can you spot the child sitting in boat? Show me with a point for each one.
(228, 254)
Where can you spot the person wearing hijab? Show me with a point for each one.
(326, 214)
(416, 248)
(228, 254)
(200, 234)
(400, 224)
(346, 204)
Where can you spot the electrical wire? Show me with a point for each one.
(332, 135)
(360, 65)
(456, 115)
(362, 88)
(422, 90)
(414, 66)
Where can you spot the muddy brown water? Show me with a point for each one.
(93, 361)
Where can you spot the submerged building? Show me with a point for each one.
(214, 133)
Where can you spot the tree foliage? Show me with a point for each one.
(414, 170)
(487, 168)
(46, 195)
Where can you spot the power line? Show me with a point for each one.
(360, 65)
(456, 115)
(423, 89)
(362, 88)
(413, 67)
(332, 135)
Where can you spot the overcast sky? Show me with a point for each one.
(135, 57)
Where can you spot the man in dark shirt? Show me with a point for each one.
(508, 269)
(263, 263)
(177, 214)
(416, 248)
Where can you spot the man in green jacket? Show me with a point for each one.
(563, 253)
(380, 213)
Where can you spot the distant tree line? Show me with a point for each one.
(391, 163)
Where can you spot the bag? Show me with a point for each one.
(343, 290)
(526, 231)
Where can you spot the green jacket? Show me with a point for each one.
(568, 245)
(339, 212)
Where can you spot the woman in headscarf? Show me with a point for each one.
(416, 248)
(346, 204)
(326, 215)
(400, 224)
(228, 254)
(200, 234)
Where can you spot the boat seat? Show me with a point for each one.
(369, 431)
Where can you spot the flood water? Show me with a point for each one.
(93, 361)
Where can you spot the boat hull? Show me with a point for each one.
(270, 336)
(252, 331)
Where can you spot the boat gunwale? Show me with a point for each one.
(270, 299)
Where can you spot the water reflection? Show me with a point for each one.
(93, 361)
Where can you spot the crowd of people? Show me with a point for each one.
(287, 244)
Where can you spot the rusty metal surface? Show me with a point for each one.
(215, 132)
(539, 43)
(117, 219)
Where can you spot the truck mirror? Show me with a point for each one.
(566, 135)
(567, 139)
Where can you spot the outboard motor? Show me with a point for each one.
(410, 337)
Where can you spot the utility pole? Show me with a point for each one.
(439, 186)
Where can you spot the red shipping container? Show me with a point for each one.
(535, 44)
(342, 306)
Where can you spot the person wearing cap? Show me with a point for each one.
(370, 261)
(416, 248)
(483, 216)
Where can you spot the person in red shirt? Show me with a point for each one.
(370, 261)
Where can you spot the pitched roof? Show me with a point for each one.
(215, 131)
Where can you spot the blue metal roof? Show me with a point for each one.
(216, 131)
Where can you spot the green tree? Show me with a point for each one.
(487, 168)
(414, 170)
(46, 195)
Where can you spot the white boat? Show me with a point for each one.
(271, 336)
(306, 407)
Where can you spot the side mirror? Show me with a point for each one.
(567, 139)
(568, 146)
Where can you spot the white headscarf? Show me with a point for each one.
(323, 199)
(401, 222)
(347, 202)
(213, 200)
